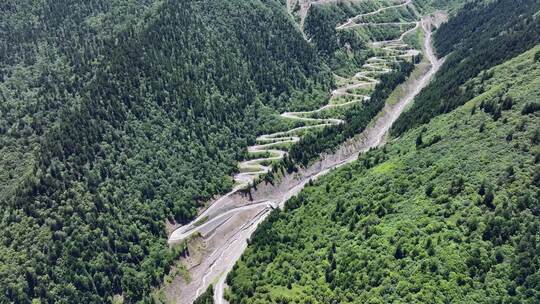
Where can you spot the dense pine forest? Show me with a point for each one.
(447, 213)
(119, 115)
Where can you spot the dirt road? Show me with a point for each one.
(352, 21)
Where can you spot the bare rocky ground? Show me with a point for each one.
(224, 228)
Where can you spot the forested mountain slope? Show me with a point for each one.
(447, 213)
(482, 35)
(111, 123)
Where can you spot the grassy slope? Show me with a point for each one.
(413, 224)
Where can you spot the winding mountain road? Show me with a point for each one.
(351, 22)
(365, 78)
(227, 224)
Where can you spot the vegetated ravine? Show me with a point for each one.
(226, 225)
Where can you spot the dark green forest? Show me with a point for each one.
(118, 115)
(447, 213)
(482, 35)
(320, 26)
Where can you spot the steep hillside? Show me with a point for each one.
(483, 34)
(118, 115)
(447, 213)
